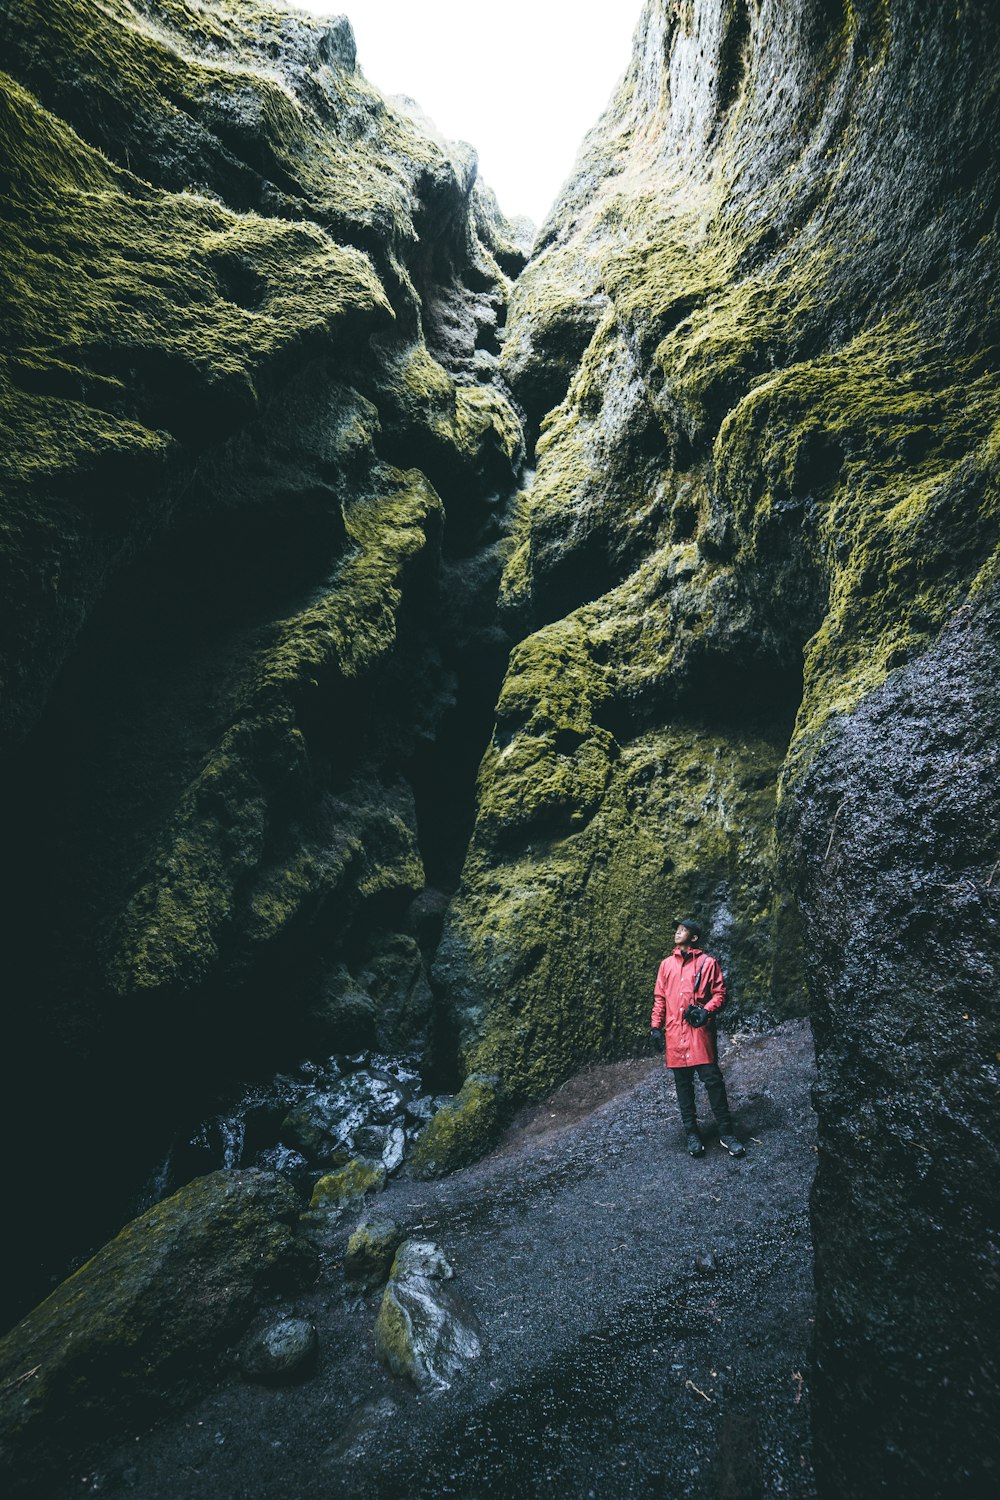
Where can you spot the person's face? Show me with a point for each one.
(683, 937)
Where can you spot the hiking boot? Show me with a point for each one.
(731, 1144)
(695, 1146)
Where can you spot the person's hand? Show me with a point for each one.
(696, 1015)
(656, 1036)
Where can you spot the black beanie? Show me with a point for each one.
(693, 927)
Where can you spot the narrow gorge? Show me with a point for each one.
(406, 616)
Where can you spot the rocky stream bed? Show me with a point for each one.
(645, 1320)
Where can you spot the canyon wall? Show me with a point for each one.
(756, 576)
(353, 587)
(256, 454)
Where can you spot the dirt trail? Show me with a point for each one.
(613, 1367)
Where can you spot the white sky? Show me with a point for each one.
(522, 80)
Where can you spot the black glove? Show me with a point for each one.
(696, 1015)
(656, 1035)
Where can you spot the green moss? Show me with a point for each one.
(394, 1337)
(371, 1250)
(460, 1132)
(760, 492)
(349, 1186)
(550, 956)
(120, 1335)
(226, 852)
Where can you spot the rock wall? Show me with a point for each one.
(256, 454)
(754, 572)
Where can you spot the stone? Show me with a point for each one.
(330, 1120)
(424, 1331)
(283, 1351)
(460, 1130)
(371, 1250)
(348, 1187)
(152, 1310)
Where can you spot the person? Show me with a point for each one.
(690, 992)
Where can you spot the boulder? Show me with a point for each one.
(424, 1331)
(461, 1131)
(348, 1187)
(328, 1121)
(283, 1351)
(371, 1250)
(132, 1327)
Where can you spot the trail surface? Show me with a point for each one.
(614, 1364)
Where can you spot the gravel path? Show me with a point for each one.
(614, 1366)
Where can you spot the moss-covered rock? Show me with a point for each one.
(249, 393)
(461, 1131)
(763, 483)
(371, 1250)
(348, 1187)
(423, 1331)
(144, 1318)
(756, 339)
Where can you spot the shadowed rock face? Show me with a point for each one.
(898, 828)
(262, 580)
(249, 558)
(141, 1321)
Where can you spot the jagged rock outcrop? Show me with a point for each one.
(754, 574)
(255, 453)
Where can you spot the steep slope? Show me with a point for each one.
(256, 453)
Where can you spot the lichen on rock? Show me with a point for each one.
(460, 1131)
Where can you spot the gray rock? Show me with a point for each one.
(328, 1122)
(394, 1149)
(424, 1330)
(151, 1308)
(284, 1350)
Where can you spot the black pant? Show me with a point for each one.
(715, 1087)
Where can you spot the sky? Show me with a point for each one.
(523, 80)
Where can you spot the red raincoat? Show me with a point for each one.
(687, 1045)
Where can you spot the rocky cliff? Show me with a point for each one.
(256, 452)
(755, 573)
(277, 584)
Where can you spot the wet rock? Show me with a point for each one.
(348, 1187)
(283, 1159)
(371, 1250)
(421, 1110)
(423, 1330)
(283, 1351)
(897, 830)
(706, 1262)
(461, 1129)
(385, 1142)
(329, 1121)
(150, 1311)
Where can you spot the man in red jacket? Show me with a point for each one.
(690, 992)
